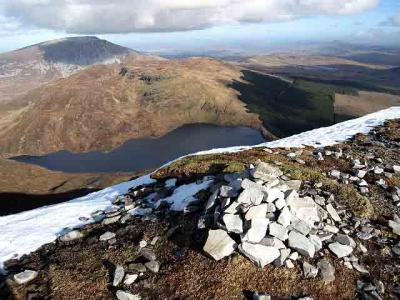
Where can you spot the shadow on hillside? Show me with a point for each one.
(11, 203)
(286, 108)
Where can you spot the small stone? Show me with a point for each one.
(360, 268)
(273, 242)
(331, 228)
(333, 213)
(153, 266)
(280, 203)
(71, 236)
(345, 240)
(107, 236)
(301, 244)
(395, 227)
(327, 271)
(259, 254)
(282, 258)
(266, 172)
(122, 295)
(257, 230)
(112, 220)
(316, 241)
(289, 264)
(233, 223)
(340, 250)
(261, 296)
(302, 227)
(362, 248)
(130, 278)
(119, 275)
(227, 191)
(274, 194)
(25, 276)
(219, 244)
(285, 217)
(278, 231)
(396, 169)
(334, 174)
(309, 270)
(257, 212)
(148, 254)
(361, 173)
(251, 196)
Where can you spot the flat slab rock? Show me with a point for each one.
(259, 254)
(25, 276)
(219, 244)
(340, 250)
(122, 295)
(301, 244)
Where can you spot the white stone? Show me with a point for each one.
(233, 223)
(345, 240)
(309, 270)
(107, 236)
(274, 194)
(219, 244)
(278, 231)
(340, 250)
(259, 254)
(119, 275)
(130, 278)
(334, 174)
(273, 242)
(285, 217)
(316, 241)
(304, 209)
(301, 227)
(25, 276)
(280, 203)
(301, 244)
(395, 227)
(360, 268)
(266, 172)
(282, 258)
(257, 231)
(71, 236)
(233, 208)
(333, 213)
(396, 169)
(289, 264)
(122, 295)
(361, 173)
(331, 228)
(251, 196)
(257, 212)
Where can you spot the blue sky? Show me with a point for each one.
(373, 24)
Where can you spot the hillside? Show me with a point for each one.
(275, 221)
(103, 106)
(24, 69)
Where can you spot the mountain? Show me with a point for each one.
(102, 106)
(27, 68)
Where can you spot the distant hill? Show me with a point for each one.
(27, 68)
(103, 106)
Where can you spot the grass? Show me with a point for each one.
(287, 108)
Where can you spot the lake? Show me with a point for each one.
(141, 154)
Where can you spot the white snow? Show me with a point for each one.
(25, 232)
(184, 195)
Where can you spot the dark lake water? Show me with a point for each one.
(139, 154)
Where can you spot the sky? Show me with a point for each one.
(196, 25)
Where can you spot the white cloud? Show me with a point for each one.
(119, 16)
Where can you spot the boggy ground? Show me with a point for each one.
(84, 269)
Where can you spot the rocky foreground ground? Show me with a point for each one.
(257, 224)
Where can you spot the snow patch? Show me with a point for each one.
(25, 232)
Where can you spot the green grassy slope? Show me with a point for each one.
(287, 108)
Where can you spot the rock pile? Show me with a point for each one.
(267, 217)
